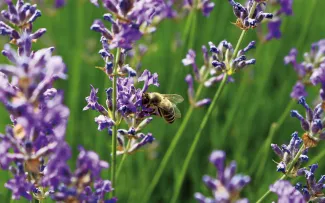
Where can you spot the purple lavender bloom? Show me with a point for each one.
(242, 13)
(33, 147)
(274, 30)
(77, 186)
(298, 91)
(311, 69)
(92, 101)
(318, 77)
(59, 3)
(129, 102)
(215, 66)
(20, 187)
(286, 6)
(131, 15)
(23, 16)
(279, 8)
(286, 192)
(288, 152)
(312, 123)
(226, 187)
(314, 189)
(136, 140)
(223, 54)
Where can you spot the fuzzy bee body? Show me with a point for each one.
(164, 104)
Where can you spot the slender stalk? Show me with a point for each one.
(197, 138)
(123, 159)
(114, 133)
(290, 167)
(211, 107)
(266, 147)
(171, 149)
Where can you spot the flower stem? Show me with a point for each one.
(123, 159)
(171, 149)
(290, 167)
(207, 115)
(114, 133)
(196, 139)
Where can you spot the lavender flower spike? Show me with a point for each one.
(287, 154)
(216, 65)
(314, 189)
(310, 69)
(244, 21)
(286, 192)
(132, 16)
(227, 185)
(312, 123)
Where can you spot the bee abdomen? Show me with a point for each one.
(169, 116)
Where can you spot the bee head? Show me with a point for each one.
(145, 99)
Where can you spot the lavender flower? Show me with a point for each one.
(65, 185)
(21, 15)
(131, 16)
(313, 190)
(286, 192)
(226, 187)
(279, 9)
(59, 3)
(215, 65)
(244, 21)
(312, 123)
(136, 139)
(310, 71)
(129, 108)
(33, 147)
(287, 153)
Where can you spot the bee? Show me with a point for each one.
(163, 104)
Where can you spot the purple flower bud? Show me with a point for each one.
(304, 123)
(149, 79)
(190, 90)
(274, 31)
(104, 122)
(203, 102)
(286, 192)
(92, 101)
(316, 125)
(298, 91)
(277, 150)
(228, 185)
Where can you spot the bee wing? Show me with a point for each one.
(177, 112)
(174, 98)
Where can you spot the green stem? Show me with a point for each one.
(187, 27)
(290, 167)
(205, 120)
(114, 133)
(123, 159)
(192, 33)
(264, 150)
(171, 149)
(196, 139)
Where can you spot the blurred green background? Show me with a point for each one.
(239, 124)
